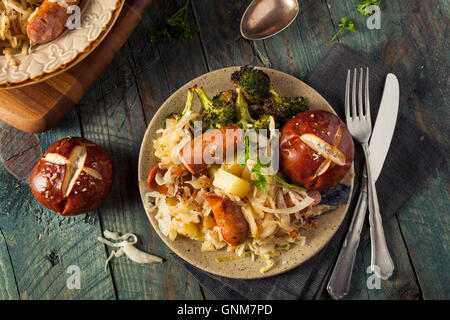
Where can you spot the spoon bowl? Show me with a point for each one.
(265, 18)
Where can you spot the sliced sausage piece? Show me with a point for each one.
(151, 181)
(167, 190)
(315, 195)
(229, 218)
(49, 21)
(290, 203)
(211, 144)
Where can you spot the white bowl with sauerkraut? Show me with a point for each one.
(63, 37)
(234, 219)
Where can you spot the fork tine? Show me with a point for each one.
(368, 97)
(347, 97)
(360, 94)
(354, 114)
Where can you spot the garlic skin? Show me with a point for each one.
(126, 247)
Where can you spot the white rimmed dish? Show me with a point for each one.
(71, 47)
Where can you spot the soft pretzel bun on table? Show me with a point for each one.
(74, 176)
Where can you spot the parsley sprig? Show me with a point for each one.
(261, 179)
(345, 23)
(245, 155)
(279, 182)
(364, 5)
(174, 28)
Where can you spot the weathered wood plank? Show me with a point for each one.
(19, 152)
(425, 224)
(408, 48)
(369, 42)
(160, 69)
(402, 285)
(42, 245)
(8, 285)
(301, 46)
(116, 123)
(121, 121)
(222, 42)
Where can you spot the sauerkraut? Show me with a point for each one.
(273, 225)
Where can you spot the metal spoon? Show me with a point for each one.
(265, 18)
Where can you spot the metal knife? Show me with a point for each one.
(339, 283)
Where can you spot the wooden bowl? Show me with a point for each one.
(335, 201)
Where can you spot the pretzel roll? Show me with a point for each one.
(316, 149)
(72, 177)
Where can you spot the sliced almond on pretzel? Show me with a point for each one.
(75, 166)
(326, 150)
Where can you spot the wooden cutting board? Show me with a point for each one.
(39, 107)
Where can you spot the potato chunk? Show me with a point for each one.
(233, 168)
(231, 184)
(188, 230)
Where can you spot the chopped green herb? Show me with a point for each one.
(245, 155)
(261, 180)
(345, 24)
(364, 6)
(283, 184)
(174, 28)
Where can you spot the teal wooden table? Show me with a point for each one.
(37, 246)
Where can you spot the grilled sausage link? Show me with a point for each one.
(49, 21)
(209, 144)
(229, 218)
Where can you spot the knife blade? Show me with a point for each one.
(339, 283)
(384, 124)
(381, 261)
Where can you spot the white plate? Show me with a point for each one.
(44, 61)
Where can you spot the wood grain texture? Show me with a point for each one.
(8, 284)
(42, 245)
(296, 51)
(119, 116)
(405, 46)
(425, 225)
(401, 286)
(37, 246)
(19, 152)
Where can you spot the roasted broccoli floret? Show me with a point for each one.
(254, 83)
(173, 116)
(189, 101)
(281, 108)
(176, 115)
(218, 112)
(225, 98)
(245, 120)
(263, 122)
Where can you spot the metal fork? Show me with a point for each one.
(360, 126)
